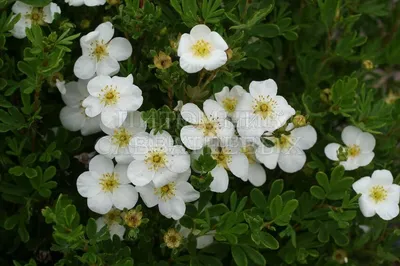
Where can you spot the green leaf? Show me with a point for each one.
(268, 241)
(91, 228)
(323, 181)
(23, 233)
(328, 11)
(276, 189)
(276, 206)
(254, 255)
(11, 222)
(217, 210)
(49, 173)
(239, 229)
(233, 200)
(16, 170)
(239, 255)
(30, 172)
(265, 30)
(317, 192)
(257, 197)
(37, 3)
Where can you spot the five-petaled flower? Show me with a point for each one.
(101, 53)
(229, 99)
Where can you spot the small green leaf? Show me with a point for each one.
(49, 173)
(257, 197)
(239, 256)
(317, 192)
(254, 255)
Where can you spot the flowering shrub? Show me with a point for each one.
(209, 132)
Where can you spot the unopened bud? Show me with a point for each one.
(85, 24)
(392, 97)
(340, 256)
(172, 238)
(299, 121)
(368, 65)
(52, 80)
(162, 61)
(133, 218)
(326, 95)
(342, 153)
(229, 53)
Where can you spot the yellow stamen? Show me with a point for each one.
(378, 193)
(229, 104)
(100, 50)
(201, 48)
(109, 182)
(156, 159)
(354, 151)
(110, 95)
(121, 137)
(249, 151)
(165, 192)
(223, 157)
(209, 127)
(172, 238)
(284, 141)
(264, 106)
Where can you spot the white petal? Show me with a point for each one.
(217, 41)
(72, 118)
(191, 113)
(92, 106)
(364, 158)
(214, 111)
(366, 141)
(117, 229)
(350, 164)
(147, 195)
(49, 11)
(217, 59)
(382, 177)
(106, 31)
(139, 174)
(367, 206)
(95, 3)
(163, 176)
(19, 30)
(178, 159)
(200, 31)
(97, 84)
(106, 147)
(21, 8)
(304, 137)
(186, 192)
(120, 48)
(393, 193)
(192, 137)
(225, 130)
(362, 185)
(331, 151)
(123, 156)
(91, 126)
(268, 156)
(122, 171)
(350, 134)
(101, 165)
(388, 210)
(190, 64)
(183, 177)
(107, 66)
(185, 44)
(134, 123)
(239, 165)
(292, 161)
(125, 196)
(113, 117)
(88, 185)
(256, 174)
(101, 203)
(237, 91)
(174, 208)
(263, 88)
(220, 96)
(73, 95)
(130, 102)
(61, 86)
(204, 241)
(85, 67)
(140, 145)
(221, 180)
(161, 139)
(74, 2)
(100, 223)
(124, 84)
(87, 41)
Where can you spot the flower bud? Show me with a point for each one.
(299, 121)
(133, 218)
(229, 53)
(326, 95)
(172, 238)
(368, 65)
(162, 61)
(85, 24)
(340, 256)
(52, 80)
(342, 153)
(392, 97)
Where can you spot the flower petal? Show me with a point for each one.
(222, 95)
(239, 165)
(221, 180)
(214, 111)
(139, 174)
(366, 141)
(21, 8)
(85, 67)
(192, 137)
(364, 158)
(350, 134)
(186, 192)
(174, 208)
(120, 48)
(382, 177)
(190, 64)
(164, 176)
(134, 123)
(97, 84)
(72, 118)
(122, 171)
(130, 102)
(217, 41)
(101, 203)
(106, 147)
(268, 156)
(362, 185)
(217, 59)
(350, 164)
(49, 11)
(88, 185)
(125, 196)
(388, 210)
(185, 44)
(256, 174)
(92, 106)
(147, 195)
(367, 206)
(91, 126)
(107, 66)
(161, 139)
(331, 151)
(304, 137)
(225, 130)
(178, 160)
(95, 3)
(113, 117)
(292, 160)
(204, 241)
(106, 31)
(101, 165)
(200, 31)
(191, 113)
(263, 88)
(117, 229)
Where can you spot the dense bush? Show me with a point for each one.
(257, 180)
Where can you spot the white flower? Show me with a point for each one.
(228, 157)
(261, 110)
(229, 99)
(171, 197)
(202, 48)
(60, 84)
(113, 98)
(378, 195)
(32, 15)
(288, 149)
(101, 53)
(201, 241)
(206, 127)
(360, 146)
(73, 115)
(115, 145)
(256, 173)
(111, 220)
(157, 159)
(105, 186)
(85, 2)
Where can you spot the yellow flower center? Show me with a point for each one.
(110, 95)
(165, 192)
(354, 151)
(109, 182)
(36, 16)
(172, 238)
(156, 159)
(100, 50)
(223, 157)
(201, 48)
(264, 106)
(121, 137)
(249, 151)
(284, 141)
(378, 193)
(229, 104)
(133, 218)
